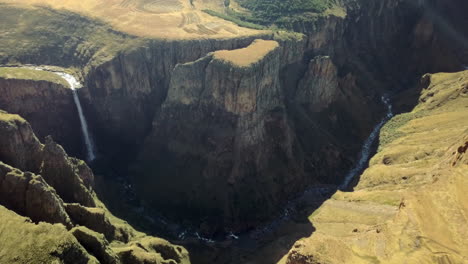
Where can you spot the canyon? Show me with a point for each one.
(241, 145)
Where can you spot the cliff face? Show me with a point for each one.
(122, 95)
(231, 102)
(49, 107)
(295, 117)
(61, 217)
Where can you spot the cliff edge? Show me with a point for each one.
(410, 205)
(49, 212)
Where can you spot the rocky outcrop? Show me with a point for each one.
(48, 106)
(30, 195)
(150, 249)
(22, 149)
(41, 199)
(195, 117)
(62, 172)
(222, 130)
(122, 95)
(94, 219)
(96, 244)
(319, 87)
(19, 145)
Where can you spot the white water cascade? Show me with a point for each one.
(366, 148)
(74, 84)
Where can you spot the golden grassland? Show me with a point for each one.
(411, 204)
(27, 242)
(247, 56)
(58, 37)
(171, 19)
(31, 74)
(4, 116)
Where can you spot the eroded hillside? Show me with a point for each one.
(411, 204)
(50, 213)
(174, 19)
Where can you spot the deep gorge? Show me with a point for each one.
(220, 147)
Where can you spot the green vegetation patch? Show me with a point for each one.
(274, 9)
(26, 242)
(4, 116)
(31, 74)
(235, 18)
(282, 35)
(282, 13)
(391, 130)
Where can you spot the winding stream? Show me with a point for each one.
(309, 196)
(312, 195)
(367, 147)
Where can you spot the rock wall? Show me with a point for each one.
(123, 94)
(21, 148)
(48, 106)
(63, 220)
(150, 102)
(140, 101)
(222, 131)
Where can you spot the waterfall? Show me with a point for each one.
(74, 84)
(366, 148)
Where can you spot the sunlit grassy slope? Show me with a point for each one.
(285, 14)
(56, 37)
(31, 74)
(411, 204)
(173, 19)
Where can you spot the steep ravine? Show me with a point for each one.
(410, 204)
(129, 101)
(219, 138)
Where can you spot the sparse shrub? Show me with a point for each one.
(271, 10)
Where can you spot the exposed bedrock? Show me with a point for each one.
(227, 128)
(122, 94)
(30, 195)
(49, 108)
(19, 147)
(224, 121)
(61, 198)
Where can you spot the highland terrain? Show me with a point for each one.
(233, 131)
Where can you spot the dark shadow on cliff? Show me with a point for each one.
(402, 100)
(266, 244)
